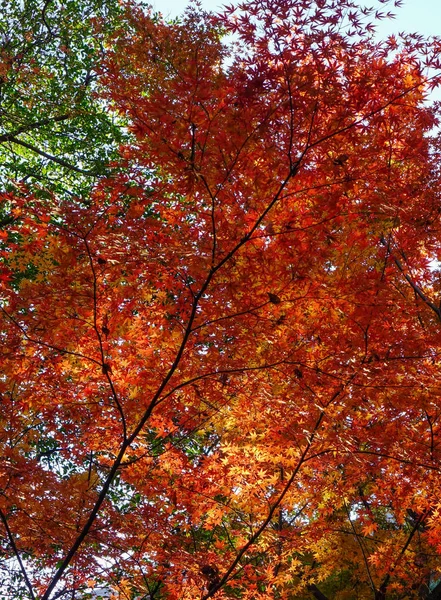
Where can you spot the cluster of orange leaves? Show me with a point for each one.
(233, 345)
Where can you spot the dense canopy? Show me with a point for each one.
(220, 304)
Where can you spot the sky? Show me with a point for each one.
(422, 16)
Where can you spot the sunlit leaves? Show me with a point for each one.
(221, 366)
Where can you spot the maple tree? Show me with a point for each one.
(220, 364)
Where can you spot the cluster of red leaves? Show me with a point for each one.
(221, 372)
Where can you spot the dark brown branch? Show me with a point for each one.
(59, 161)
(45, 344)
(43, 17)
(252, 540)
(17, 554)
(316, 592)
(403, 461)
(372, 113)
(418, 291)
(104, 365)
(10, 137)
(381, 593)
(432, 435)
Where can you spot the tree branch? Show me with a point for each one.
(17, 554)
(273, 508)
(381, 593)
(9, 137)
(59, 161)
(316, 592)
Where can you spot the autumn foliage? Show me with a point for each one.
(221, 366)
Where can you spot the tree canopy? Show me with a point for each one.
(53, 131)
(220, 304)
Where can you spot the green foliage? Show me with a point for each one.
(53, 131)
